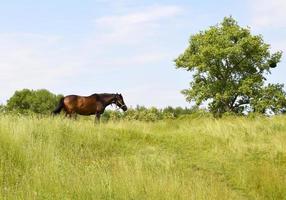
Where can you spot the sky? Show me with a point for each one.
(119, 46)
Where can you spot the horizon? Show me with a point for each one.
(123, 47)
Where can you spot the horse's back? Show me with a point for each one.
(71, 99)
(80, 104)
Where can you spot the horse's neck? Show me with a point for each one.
(108, 100)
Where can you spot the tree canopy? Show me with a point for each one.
(229, 67)
(37, 101)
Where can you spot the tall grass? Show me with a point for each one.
(195, 158)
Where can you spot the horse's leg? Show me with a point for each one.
(74, 115)
(97, 118)
(68, 113)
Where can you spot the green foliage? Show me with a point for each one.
(152, 114)
(2, 108)
(271, 98)
(33, 101)
(229, 65)
(57, 158)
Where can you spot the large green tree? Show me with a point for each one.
(37, 101)
(229, 67)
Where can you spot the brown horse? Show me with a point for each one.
(94, 104)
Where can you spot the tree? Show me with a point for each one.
(271, 98)
(37, 101)
(2, 108)
(229, 66)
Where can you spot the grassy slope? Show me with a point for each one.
(231, 158)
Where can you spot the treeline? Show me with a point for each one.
(42, 102)
(28, 101)
(152, 114)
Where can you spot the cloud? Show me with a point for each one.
(268, 18)
(268, 13)
(29, 60)
(136, 18)
(133, 27)
(131, 38)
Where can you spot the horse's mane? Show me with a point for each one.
(102, 95)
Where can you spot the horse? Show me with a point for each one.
(94, 104)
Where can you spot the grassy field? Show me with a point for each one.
(195, 158)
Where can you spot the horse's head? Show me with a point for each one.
(120, 102)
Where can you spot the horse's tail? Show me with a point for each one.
(59, 107)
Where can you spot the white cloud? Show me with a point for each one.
(148, 15)
(133, 27)
(133, 34)
(35, 61)
(31, 61)
(268, 19)
(267, 13)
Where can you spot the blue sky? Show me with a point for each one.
(84, 47)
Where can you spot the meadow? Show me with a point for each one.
(194, 157)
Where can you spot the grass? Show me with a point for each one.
(195, 158)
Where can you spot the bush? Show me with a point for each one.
(35, 101)
(152, 114)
